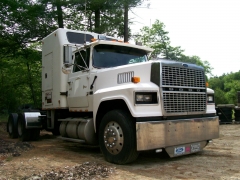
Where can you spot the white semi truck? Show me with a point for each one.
(100, 91)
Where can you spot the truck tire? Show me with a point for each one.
(35, 133)
(12, 125)
(55, 131)
(23, 133)
(117, 137)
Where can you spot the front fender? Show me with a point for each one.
(126, 93)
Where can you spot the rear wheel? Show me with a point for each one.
(117, 137)
(35, 133)
(23, 133)
(12, 125)
(55, 131)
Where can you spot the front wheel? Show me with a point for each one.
(117, 137)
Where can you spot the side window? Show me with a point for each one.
(81, 60)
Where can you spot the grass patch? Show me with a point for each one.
(9, 158)
(3, 117)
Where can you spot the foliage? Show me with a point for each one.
(3, 117)
(20, 79)
(219, 97)
(24, 23)
(196, 60)
(226, 88)
(157, 38)
(98, 16)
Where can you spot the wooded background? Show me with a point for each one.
(24, 23)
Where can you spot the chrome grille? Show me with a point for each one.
(125, 77)
(184, 102)
(176, 76)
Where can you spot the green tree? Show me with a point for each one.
(26, 22)
(197, 60)
(157, 38)
(20, 26)
(232, 87)
(226, 88)
(100, 16)
(216, 82)
(219, 97)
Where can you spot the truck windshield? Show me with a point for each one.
(105, 56)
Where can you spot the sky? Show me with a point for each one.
(209, 29)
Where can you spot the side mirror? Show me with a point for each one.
(66, 68)
(67, 55)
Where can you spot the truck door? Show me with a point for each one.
(47, 79)
(78, 83)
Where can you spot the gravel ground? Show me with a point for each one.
(14, 149)
(10, 148)
(51, 158)
(86, 170)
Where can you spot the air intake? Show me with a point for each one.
(125, 77)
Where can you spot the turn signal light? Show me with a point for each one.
(93, 39)
(135, 79)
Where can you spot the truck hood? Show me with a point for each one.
(122, 75)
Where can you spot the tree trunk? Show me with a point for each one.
(30, 83)
(97, 21)
(125, 23)
(59, 13)
(90, 24)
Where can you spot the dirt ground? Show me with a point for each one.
(53, 158)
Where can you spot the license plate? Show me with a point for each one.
(195, 147)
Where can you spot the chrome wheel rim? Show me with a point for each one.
(113, 137)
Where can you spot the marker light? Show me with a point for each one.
(135, 79)
(93, 39)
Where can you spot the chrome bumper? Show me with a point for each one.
(162, 134)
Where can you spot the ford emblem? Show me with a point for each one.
(185, 65)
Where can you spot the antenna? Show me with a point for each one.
(85, 14)
(150, 26)
(149, 32)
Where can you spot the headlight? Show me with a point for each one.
(146, 98)
(210, 98)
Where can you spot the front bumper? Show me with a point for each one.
(163, 134)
